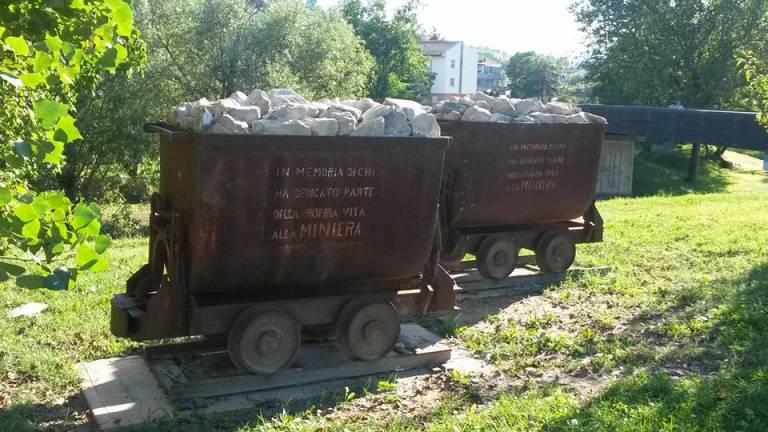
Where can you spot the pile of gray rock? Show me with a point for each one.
(481, 107)
(284, 112)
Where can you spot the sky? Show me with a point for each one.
(544, 26)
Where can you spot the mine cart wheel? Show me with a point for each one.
(137, 279)
(555, 252)
(497, 257)
(263, 340)
(367, 330)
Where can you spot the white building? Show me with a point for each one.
(455, 67)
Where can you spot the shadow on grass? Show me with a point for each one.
(69, 415)
(721, 386)
(664, 173)
(74, 415)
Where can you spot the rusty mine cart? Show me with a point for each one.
(512, 186)
(266, 238)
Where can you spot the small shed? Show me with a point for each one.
(614, 177)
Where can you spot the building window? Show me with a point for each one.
(453, 64)
(453, 82)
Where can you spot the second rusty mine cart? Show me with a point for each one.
(512, 186)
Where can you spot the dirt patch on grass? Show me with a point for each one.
(418, 396)
(743, 161)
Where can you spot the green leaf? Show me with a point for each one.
(92, 230)
(95, 209)
(59, 203)
(58, 279)
(82, 216)
(113, 4)
(122, 54)
(77, 58)
(67, 74)
(85, 219)
(5, 196)
(88, 259)
(3, 276)
(2, 31)
(23, 148)
(67, 48)
(60, 231)
(42, 61)
(32, 79)
(101, 244)
(31, 229)
(14, 161)
(41, 203)
(86, 255)
(53, 43)
(12, 269)
(77, 4)
(18, 45)
(121, 13)
(54, 153)
(109, 59)
(66, 126)
(25, 213)
(30, 281)
(49, 111)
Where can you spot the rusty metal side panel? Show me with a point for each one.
(512, 174)
(281, 217)
(179, 182)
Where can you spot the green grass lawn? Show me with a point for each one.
(674, 337)
(664, 173)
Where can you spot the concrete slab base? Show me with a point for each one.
(122, 392)
(133, 390)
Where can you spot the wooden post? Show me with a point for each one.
(693, 168)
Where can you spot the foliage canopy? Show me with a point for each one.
(535, 75)
(401, 68)
(212, 48)
(655, 51)
(205, 48)
(755, 71)
(52, 52)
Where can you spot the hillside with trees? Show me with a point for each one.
(653, 52)
(400, 69)
(535, 75)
